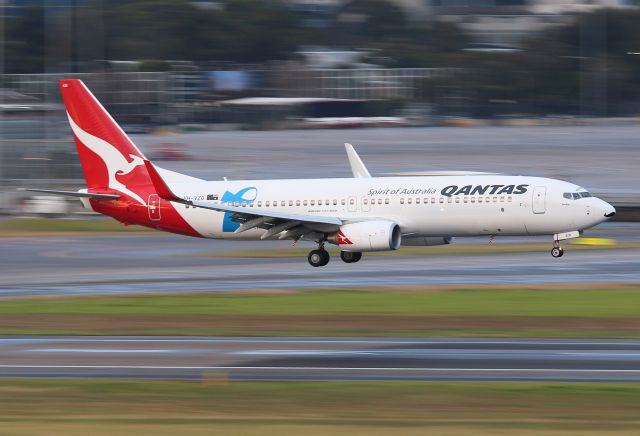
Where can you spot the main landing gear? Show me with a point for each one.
(319, 257)
(350, 256)
(557, 250)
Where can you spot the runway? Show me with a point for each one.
(157, 263)
(323, 359)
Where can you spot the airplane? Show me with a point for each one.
(358, 214)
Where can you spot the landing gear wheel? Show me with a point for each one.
(350, 256)
(557, 252)
(318, 258)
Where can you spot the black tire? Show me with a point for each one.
(350, 256)
(318, 258)
(315, 258)
(557, 252)
(325, 257)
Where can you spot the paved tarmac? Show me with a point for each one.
(321, 358)
(157, 262)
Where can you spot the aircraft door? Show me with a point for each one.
(351, 205)
(153, 206)
(539, 199)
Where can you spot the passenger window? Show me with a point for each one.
(433, 200)
(335, 202)
(501, 199)
(259, 204)
(495, 199)
(327, 202)
(283, 203)
(409, 200)
(365, 201)
(441, 200)
(386, 201)
(290, 202)
(313, 203)
(509, 199)
(465, 199)
(297, 202)
(237, 204)
(473, 199)
(402, 201)
(379, 200)
(304, 203)
(417, 201)
(457, 199)
(352, 201)
(342, 202)
(479, 199)
(449, 200)
(425, 200)
(266, 203)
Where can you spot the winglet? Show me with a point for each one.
(159, 184)
(358, 168)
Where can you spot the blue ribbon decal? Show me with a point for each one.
(246, 195)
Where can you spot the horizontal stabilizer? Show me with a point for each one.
(74, 193)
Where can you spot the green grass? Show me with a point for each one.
(543, 311)
(102, 407)
(606, 302)
(45, 226)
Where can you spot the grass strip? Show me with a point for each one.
(591, 310)
(101, 407)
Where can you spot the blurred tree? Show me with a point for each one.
(243, 31)
(24, 42)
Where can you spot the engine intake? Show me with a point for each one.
(368, 236)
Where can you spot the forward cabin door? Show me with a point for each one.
(539, 199)
(154, 207)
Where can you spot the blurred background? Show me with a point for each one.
(165, 67)
(110, 330)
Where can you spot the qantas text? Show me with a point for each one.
(483, 190)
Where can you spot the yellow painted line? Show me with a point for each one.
(593, 241)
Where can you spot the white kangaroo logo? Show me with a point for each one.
(115, 162)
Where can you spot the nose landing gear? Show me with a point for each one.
(557, 250)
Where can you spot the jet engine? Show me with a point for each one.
(368, 236)
(427, 241)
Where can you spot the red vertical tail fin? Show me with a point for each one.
(109, 159)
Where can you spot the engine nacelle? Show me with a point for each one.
(368, 236)
(427, 241)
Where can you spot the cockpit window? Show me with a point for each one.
(576, 195)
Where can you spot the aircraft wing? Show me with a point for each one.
(284, 224)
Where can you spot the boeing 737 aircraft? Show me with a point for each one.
(358, 214)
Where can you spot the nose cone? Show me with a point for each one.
(609, 211)
(606, 209)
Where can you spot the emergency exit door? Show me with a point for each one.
(539, 199)
(153, 206)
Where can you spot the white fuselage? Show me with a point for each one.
(445, 206)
